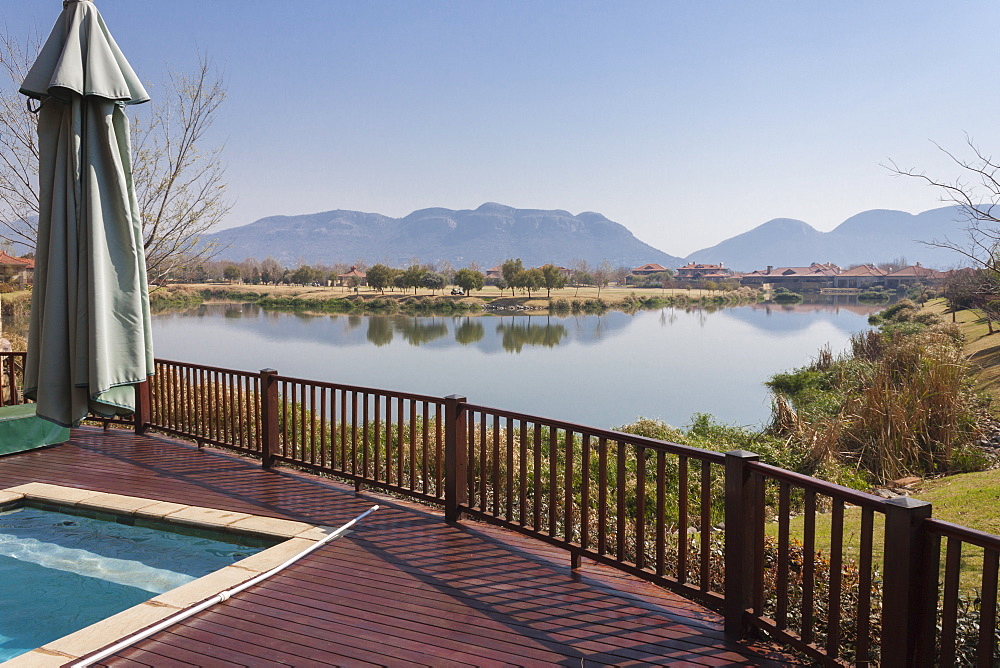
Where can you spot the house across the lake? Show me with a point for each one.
(351, 276)
(797, 279)
(702, 272)
(860, 277)
(16, 269)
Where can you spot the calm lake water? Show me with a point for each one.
(600, 371)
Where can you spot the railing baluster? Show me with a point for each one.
(986, 650)
(836, 579)
(585, 491)
(808, 566)
(536, 514)
(484, 499)
(509, 486)
(568, 487)
(411, 484)
(424, 428)
(864, 614)
(682, 514)
(495, 473)
(949, 612)
(781, 579)
(620, 509)
(377, 454)
(523, 438)
(640, 510)
(553, 480)
(602, 496)
(400, 443)
(706, 526)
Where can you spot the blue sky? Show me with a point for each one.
(688, 122)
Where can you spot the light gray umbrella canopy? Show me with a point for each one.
(89, 340)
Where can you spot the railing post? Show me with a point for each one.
(739, 549)
(456, 457)
(268, 416)
(909, 585)
(143, 407)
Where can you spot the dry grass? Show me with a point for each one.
(611, 295)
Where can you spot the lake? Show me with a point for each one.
(598, 370)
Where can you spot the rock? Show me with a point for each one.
(908, 481)
(885, 493)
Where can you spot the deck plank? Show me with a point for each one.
(404, 588)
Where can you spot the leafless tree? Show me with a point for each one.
(976, 192)
(179, 181)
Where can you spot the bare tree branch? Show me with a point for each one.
(180, 184)
(976, 194)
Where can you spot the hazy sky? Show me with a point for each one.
(688, 122)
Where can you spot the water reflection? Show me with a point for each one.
(470, 331)
(684, 360)
(516, 335)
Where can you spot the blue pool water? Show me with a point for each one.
(61, 572)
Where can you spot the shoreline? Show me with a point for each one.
(489, 300)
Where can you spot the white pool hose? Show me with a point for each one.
(218, 598)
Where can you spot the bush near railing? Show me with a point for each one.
(688, 519)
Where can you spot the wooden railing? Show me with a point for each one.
(647, 507)
(840, 575)
(11, 378)
(980, 546)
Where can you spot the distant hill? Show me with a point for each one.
(487, 235)
(879, 235)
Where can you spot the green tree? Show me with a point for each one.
(231, 273)
(510, 270)
(469, 280)
(433, 281)
(380, 277)
(552, 279)
(413, 277)
(531, 279)
(303, 275)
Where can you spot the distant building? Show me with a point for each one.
(354, 273)
(702, 272)
(914, 274)
(16, 269)
(797, 279)
(495, 272)
(864, 276)
(648, 269)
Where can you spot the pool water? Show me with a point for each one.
(60, 572)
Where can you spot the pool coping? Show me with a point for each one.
(295, 537)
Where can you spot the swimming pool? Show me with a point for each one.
(71, 571)
(237, 543)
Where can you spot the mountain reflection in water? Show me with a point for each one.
(602, 370)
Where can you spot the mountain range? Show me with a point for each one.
(493, 232)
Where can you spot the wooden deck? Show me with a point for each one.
(405, 588)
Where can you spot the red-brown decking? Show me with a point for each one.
(405, 588)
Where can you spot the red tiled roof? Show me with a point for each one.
(916, 271)
(9, 260)
(650, 267)
(864, 270)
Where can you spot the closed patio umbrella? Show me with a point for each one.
(89, 340)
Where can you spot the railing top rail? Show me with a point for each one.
(610, 434)
(364, 390)
(965, 534)
(858, 498)
(205, 367)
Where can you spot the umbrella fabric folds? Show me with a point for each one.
(89, 340)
